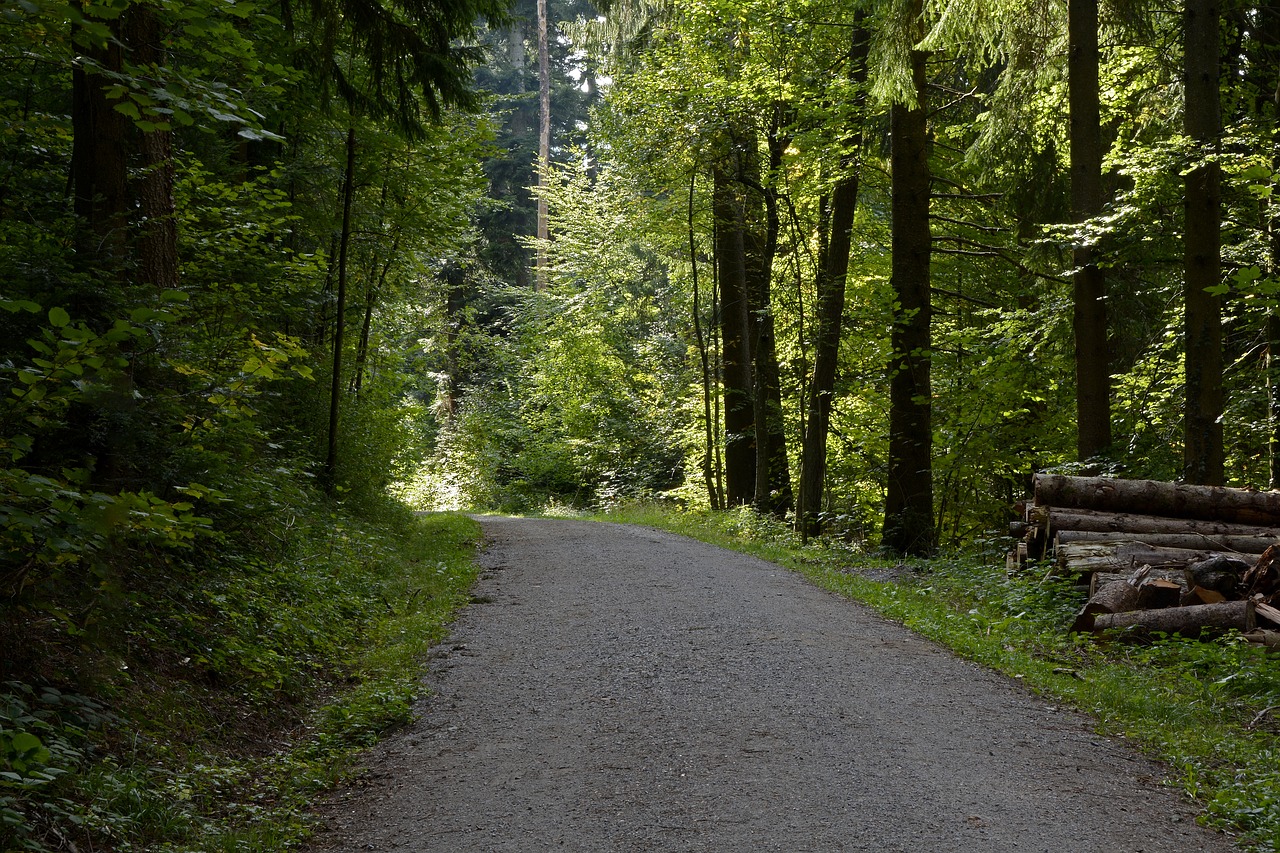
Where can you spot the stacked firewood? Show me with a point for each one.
(1159, 557)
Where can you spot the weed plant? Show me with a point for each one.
(1209, 709)
(231, 702)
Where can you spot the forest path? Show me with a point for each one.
(623, 689)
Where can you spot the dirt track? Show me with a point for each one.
(623, 689)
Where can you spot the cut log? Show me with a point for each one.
(1196, 541)
(1057, 519)
(1264, 577)
(1142, 589)
(1201, 595)
(1187, 621)
(1152, 497)
(1155, 594)
(1177, 576)
(1116, 597)
(1082, 557)
(1266, 611)
(1269, 639)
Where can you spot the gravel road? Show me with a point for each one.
(622, 689)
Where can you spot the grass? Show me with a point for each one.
(226, 753)
(1210, 710)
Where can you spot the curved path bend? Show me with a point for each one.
(622, 689)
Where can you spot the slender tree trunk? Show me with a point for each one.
(739, 421)
(544, 142)
(833, 272)
(908, 521)
(340, 312)
(1202, 425)
(1267, 46)
(1089, 322)
(773, 473)
(713, 495)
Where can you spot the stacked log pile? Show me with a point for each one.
(1159, 557)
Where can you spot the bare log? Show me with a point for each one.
(1057, 519)
(1142, 589)
(1081, 557)
(1175, 575)
(1195, 541)
(1187, 621)
(1152, 497)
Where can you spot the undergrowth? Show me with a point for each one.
(1209, 709)
(205, 716)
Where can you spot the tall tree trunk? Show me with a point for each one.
(731, 267)
(1202, 423)
(1089, 321)
(544, 142)
(1266, 34)
(773, 472)
(340, 312)
(709, 426)
(101, 148)
(908, 518)
(833, 271)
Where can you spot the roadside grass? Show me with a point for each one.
(1210, 710)
(210, 758)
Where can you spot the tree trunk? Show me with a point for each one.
(739, 417)
(101, 148)
(1267, 44)
(1192, 541)
(773, 472)
(158, 232)
(1089, 321)
(908, 521)
(709, 426)
(340, 311)
(544, 142)
(833, 271)
(1202, 424)
(1152, 497)
(1188, 621)
(1060, 520)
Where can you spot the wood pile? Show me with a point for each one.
(1159, 557)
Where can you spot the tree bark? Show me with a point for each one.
(832, 275)
(739, 418)
(1188, 621)
(340, 311)
(1202, 422)
(908, 522)
(1193, 541)
(1152, 497)
(709, 426)
(544, 142)
(1056, 520)
(1089, 320)
(773, 473)
(101, 148)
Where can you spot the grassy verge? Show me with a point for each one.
(219, 743)
(1211, 710)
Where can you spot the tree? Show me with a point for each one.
(908, 517)
(829, 289)
(1202, 425)
(1089, 319)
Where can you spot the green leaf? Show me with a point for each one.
(128, 108)
(24, 742)
(59, 317)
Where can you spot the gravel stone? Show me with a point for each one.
(626, 689)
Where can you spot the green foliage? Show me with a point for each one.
(184, 760)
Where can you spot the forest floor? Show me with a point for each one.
(620, 688)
